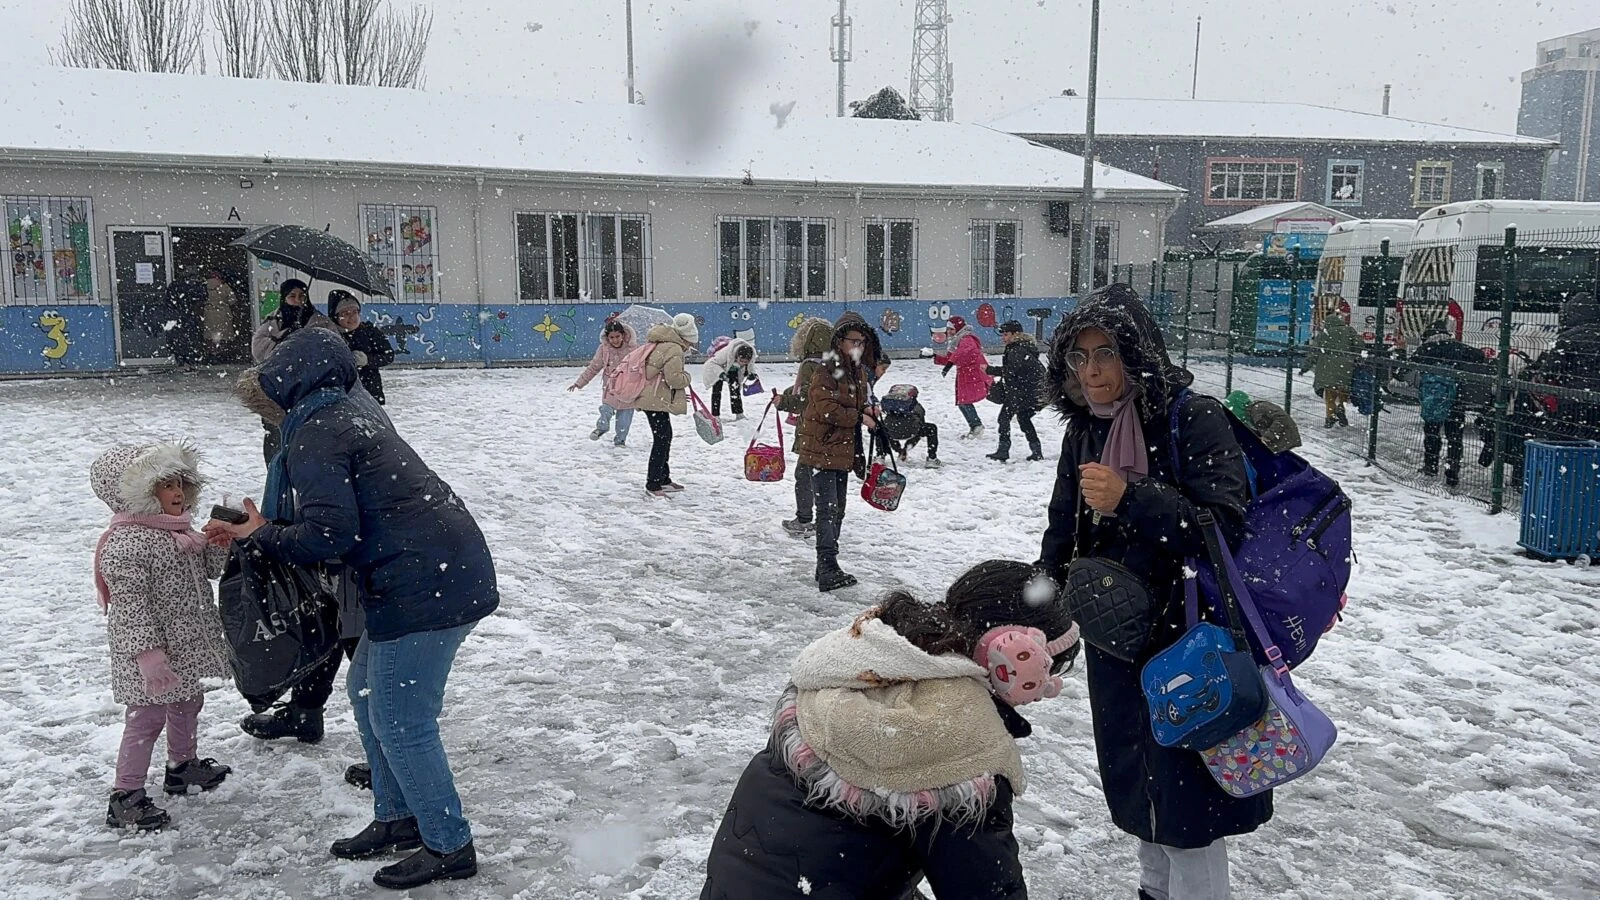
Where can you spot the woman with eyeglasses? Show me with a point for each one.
(838, 404)
(1118, 496)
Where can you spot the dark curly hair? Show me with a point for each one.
(992, 593)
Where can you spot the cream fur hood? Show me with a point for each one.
(125, 477)
(872, 725)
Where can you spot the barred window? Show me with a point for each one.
(995, 247)
(401, 239)
(891, 256)
(1250, 180)
(771, 258)
(50, 249)
(1430, 186)
(581, 257)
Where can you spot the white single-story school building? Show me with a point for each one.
(514, 228)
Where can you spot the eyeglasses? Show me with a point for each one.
(1102, 356)
(851, 340)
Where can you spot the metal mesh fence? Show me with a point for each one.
(1457, 353)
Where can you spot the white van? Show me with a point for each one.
(1354, 275)
(1453, 270)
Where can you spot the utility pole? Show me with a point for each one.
(632, 95)
(840, 50)
(1086, 240)
(1194, 85)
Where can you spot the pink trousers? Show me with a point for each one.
(143, 725)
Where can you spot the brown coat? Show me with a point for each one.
(829, 436)
(666, 380)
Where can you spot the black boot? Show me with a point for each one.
(379, 837)
(829, 576)
(426, 866)
(304, 725)
(1035, 452)
(134, 809)
(1343, 421)
(359, 776)
(1328, 422)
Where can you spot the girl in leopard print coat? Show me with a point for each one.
(153, 574)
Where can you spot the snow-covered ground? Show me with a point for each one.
(598, 721)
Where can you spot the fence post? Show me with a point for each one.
(1294, 329)
(1502, 373)
(1379, 362)
(1188, 306)
(1155, 264)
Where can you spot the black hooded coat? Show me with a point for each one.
(1160, 795)
(1574, 363)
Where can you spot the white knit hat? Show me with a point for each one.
(683, 324)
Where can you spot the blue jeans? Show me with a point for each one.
(396, 690)
(970, 413)
(624, 421)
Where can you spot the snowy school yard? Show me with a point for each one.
(598, 721)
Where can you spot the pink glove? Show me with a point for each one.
(156, 672)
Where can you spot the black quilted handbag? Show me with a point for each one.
(1111, 606)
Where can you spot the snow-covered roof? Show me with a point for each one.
(55, 113)
(1269, 120)
(1271, 213)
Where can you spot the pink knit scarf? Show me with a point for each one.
(183, 534)
(1125, 450)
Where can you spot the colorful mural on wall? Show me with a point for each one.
(509, 333)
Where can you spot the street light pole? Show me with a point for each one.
(1086, 229)
(840, 48)
(632, 96)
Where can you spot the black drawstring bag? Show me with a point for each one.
(281, 620)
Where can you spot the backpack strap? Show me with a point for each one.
(1179, 401)
(763, 422)
(1237, 595)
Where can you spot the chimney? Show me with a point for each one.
(1386, 99)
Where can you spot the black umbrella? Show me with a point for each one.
(319, 254)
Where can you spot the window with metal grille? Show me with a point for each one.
(582, 257)
(891, 255)
(50, 248)
(1490, 178)
(774, 258)
(1249, 180)
(402, 240)
(1105, 254)
(995, 250)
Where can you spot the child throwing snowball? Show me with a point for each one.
(153, 574)
(893, 753)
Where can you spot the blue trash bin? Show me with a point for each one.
(1561, 499)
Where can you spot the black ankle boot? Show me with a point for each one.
(426, 866)
(304, 725)
(379, 837)
(830, 577)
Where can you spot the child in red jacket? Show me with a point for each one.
(972, 372)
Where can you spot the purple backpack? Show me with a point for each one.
(1296, 554)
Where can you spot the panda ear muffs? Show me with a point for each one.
(1019, 660)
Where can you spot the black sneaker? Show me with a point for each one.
(134, 809)
(426, 866)
(359, 776)
(379, 837)
(304, 725)
(204, 774)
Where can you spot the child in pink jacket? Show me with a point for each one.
(972, 372)
(616, 341)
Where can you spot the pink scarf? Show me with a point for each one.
(1125, 450)
(183, 534)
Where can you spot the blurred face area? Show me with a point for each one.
(1098, 365)
(349, 318)
(296, 297)
(615, 339)
(1010, 336)
(169, 494)
(853, 343)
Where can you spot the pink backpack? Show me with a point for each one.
(630, 381)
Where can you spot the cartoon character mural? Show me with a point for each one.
(54, 326)
(890, 321)
(939, 332)
(986, 316)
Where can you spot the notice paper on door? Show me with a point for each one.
(144, 273)
(152, 245)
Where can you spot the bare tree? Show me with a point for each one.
(348, 41)
(134, 35)
(298, 38)
(238, 40)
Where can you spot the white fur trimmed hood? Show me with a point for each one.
(873, 726)
(125, 477)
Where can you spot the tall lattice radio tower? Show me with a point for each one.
(932, 76)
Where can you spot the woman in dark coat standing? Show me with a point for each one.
(1117, 497)
(371, 349)
(346, 487)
